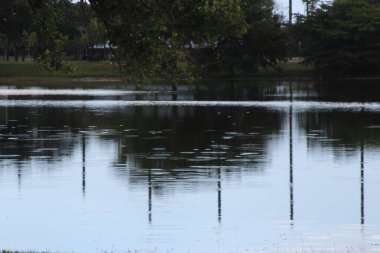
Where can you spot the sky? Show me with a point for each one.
(282, 6)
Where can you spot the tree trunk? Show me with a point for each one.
(7, 51)
(174, 92)
(232, 90)
(76, 56)
(23, 53)
(16, 53)
(232, 70)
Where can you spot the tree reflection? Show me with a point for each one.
(150, 193)
(184, 138)
(219, 171)
(19, 175)
(25, 138)
(182, 145)
(362, 183)
(291, 183)
(83, 164)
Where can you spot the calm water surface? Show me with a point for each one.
(228, 167)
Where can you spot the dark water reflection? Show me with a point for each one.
(265, 166)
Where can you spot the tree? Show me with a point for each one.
(48, 16)
(264, 44)
(152, 38)
(82, 28)
(311, 5)
(45, 27)
(342, 37)
(15, 22)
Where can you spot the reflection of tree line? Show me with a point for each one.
(255, 90)
(345, 129)
(350, 91)
(184, 135)
(31, 132)
(182, 129)
(228, 90)
(185, 129)
(162, 149)
(26, 143)
(201, 129)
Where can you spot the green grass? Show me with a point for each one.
(289, 69)
(30, 69)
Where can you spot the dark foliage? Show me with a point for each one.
(342, 37)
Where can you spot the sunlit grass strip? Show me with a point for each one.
(30, 69)
(83, 69)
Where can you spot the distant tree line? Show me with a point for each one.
(16, 36)
(170, 39)
(34, 28)
(176, 39)
(341, 37)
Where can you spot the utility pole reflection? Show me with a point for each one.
(219, 182)
(362, 183)
(19, 174)
(219, 171)
(83, 164)
(291, 153)
(150, 192)
(174, 92)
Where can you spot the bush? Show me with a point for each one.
(342, 37)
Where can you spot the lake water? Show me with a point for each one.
(259, 166)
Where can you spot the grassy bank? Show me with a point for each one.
(29, 70)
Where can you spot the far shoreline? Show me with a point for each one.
(88, 73)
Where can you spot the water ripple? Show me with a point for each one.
(277, 105)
